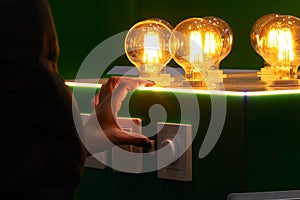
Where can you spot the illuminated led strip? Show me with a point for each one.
(274, 92)
(232, 93)
(196, 91)
(88, 85)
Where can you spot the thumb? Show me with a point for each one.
(136, 139)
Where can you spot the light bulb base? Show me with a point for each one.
(284, 73)
(216, 76)
(279, 77)
(292, 83)
(284, 84)
(193, 75)
(193, 83)
(163, 80)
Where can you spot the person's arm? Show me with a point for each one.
(102, 130)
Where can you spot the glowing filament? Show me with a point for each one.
(210, 43)
(282, 40)
(152, 52)
(196, 54)
(199, 45)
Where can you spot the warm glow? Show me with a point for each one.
(209, 44)
(83, 84)
(282, 40)
(219, 92)
(196, 54)
(276, 38)
(152, 52)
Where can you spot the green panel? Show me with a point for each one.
(84, 96)
(257, 151)
(273, 156)
(221, 172)
(81, 25)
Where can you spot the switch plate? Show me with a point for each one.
(93, 161)
(128, 158)
(174, 144)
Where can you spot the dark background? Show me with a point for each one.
(82, 25)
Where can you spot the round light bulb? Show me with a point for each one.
(147, 47)
(278, 43)
(256, 29)
(196, 46)
(226, 34)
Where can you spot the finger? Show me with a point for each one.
(114, 81)
(111, 104)
(131, 138)
(140, 140)
(108, 88)
(123, 88)
(95, 100)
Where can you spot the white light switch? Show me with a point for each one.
(128, 158)
(174, 155)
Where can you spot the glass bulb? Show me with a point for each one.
(226, 34)
(164, 68)
(257, 28)
(147, 47)
(278, 43)
(163, 21)
(196, 46)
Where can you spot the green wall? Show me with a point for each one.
(82, 25)
(258, 149)
(220, 173)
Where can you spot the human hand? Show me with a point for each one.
(107, 105)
